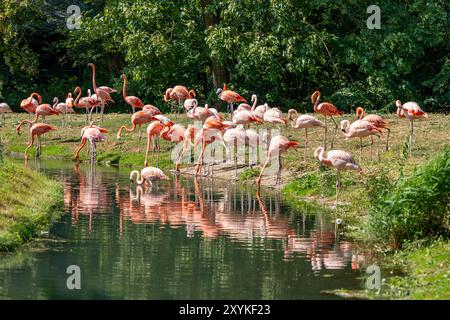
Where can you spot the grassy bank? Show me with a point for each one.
(28, 203)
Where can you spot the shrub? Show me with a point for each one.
(414, 207)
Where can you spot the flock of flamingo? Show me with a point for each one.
(213, 128)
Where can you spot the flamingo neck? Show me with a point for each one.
(124, 89)
(78, 97)
(93, 77)
(139, 179)
(316, 102)
(254, 103)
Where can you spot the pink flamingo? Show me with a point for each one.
(211, 131)
(202, 113)
(189, 140)
(277, 146)
(148, 175)
(189, 104)
(411, 111)
(4, 108)
(274, 115)
(338, 159)
(63, 109)
(376, 120)
(326, 109)
(151, 109)
(246, 106)
(36, 130)
(235, 137)
(304, 122)
(260, 110)
(174, 134)
(245, 117)
(133, 101)
(178, 93)
(102, 92)
(153, 132)
(93, 134)
(253, 142)
(229, 97)
(42, 110)
(361, 129)
(84, 102)
(137, 119)
(30, 104)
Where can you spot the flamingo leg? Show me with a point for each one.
(306, 144)
(29, 146)
(139, 139)
(360, 148)
(200, 158)
(371, 147)
(102, 109)
(149, 141)
(387, 139)
(235, 159)
(334, 134)
(279, 170)
(338, 185)
(325, 132)
(159, 150)
(411, 131)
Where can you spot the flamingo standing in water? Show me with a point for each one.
(376, 120)
(137, 119)
(93, 134)
(229, 97)
(304, 122)
(148, 175)
(235, 137)
(84, 102)
(360, 129)
(327, 110)
(338, 159)
(211, 131)
(30, 104)
(277, 146)
(4, 108)
(102, 92)
(411, 111)
(36, 130)
(153, 133)
(133, 101)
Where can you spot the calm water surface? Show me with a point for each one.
(183, 239)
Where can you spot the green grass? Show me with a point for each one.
(29, 201)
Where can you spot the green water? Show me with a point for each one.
(183, 239)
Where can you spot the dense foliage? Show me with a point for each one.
(280, 50)
(414, 207)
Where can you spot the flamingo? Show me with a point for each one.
(236, 137)
(178, 93)
(133, 101)
(63, 109)
(137, 119)
(304, 122)
(102, 92)
(84, 102)
(211, 131)
(189, 140)
(411, 111)
(149, 108)
(360, 129)
(42, 110)
(4, 108)
(246, 106)
(326, 109)
(30, 104)
(189, 104)
(260, 110)
(278, 145)
(153, 132)
(229, 97)
(173, 133)
(253, 142)
(36, 130)
(274, 115)
(148, 175)
(93, 134)
(376, 120)
(245, 117)
(338, 159)
(202, 113)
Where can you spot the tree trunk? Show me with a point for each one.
(220, 74)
